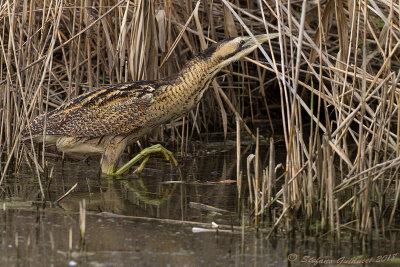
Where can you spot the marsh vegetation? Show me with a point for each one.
(325, 94)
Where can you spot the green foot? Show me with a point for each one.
(145, 153)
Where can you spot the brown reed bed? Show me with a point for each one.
(329, 87)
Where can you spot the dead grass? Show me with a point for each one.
(332, 78)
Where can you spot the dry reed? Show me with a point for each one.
(329, 86)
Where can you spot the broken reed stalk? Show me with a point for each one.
(251, 187)
(271, 173)
(257, 178)
(330, 183)
(70, 240)
(264, 189)
(82, 222)
(66, 194)
(238, 171)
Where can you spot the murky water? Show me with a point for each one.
(156, 219)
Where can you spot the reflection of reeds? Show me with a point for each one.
(333, 74)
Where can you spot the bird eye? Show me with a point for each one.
(242, 42)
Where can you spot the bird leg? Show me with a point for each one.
(145, 153)
(112, 154)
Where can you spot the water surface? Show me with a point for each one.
(157, 218)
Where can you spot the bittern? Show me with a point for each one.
(105, 121)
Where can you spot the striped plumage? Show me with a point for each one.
(106, 120)
(101, 112)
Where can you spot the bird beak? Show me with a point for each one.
(261, 39)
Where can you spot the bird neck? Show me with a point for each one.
(198, 73)
(183, 91)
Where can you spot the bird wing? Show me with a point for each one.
(116, 110)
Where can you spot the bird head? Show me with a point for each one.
(232, 49)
